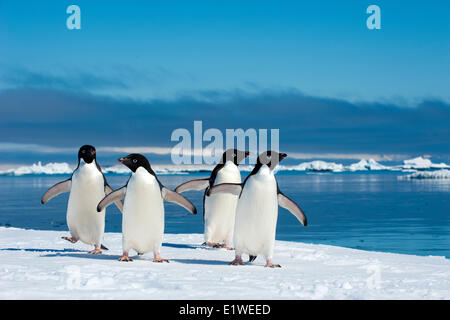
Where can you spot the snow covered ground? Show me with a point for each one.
(40, 265)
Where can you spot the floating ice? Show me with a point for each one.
(48, 169)
(317, 165)
(418, 163)
(421, 163)
(439, 174)
(367, 165)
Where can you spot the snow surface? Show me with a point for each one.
(40, 265)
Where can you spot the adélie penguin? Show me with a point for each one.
(87, 186)
(257, 209)
(219, 209)
(143, 209)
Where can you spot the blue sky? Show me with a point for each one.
(312, 69)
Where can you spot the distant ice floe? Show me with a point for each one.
(38, 168)
(420, 163)
(65, 168)
(368, 165)
(439, 174)
(317, 165)
(119, 169)
(411, 165)
(162, 169)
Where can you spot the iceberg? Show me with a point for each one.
(317, 165)
(367, 165)
(420, 163)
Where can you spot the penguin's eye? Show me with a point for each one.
(83, 151)
(134, 160)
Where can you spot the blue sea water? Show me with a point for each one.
(371, 211)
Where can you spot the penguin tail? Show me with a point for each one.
(251, 258)
(103, 247)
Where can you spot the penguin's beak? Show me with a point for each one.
(247, 154)
(283, 155)
(121, 160)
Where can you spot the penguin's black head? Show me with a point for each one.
(234, 155)
(134, 161)
(271, 158)
(87, 153)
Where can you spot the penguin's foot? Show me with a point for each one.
(95, 251)
(212, 244)
(219, 245)
(269, 264)
(237, 261)
(73, 240)
(157, 258)
(125, 258)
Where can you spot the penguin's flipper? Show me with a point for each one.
(61, 187)
(197, 184)
(118, 203)
(177, 198)
(114, 196)
(289, 204)
(233, 188)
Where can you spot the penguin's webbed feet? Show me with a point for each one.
(212, 244)
(218, 245)
(157, 258)
(236, 262)
(269, 264)
(95, 251)
(125, 258)
(70, 239)
(223, 245)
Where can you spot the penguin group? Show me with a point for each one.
(235, 213)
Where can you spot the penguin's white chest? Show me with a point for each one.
(143, 213)
(220, 208)
(256, 215)
(87, 191)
